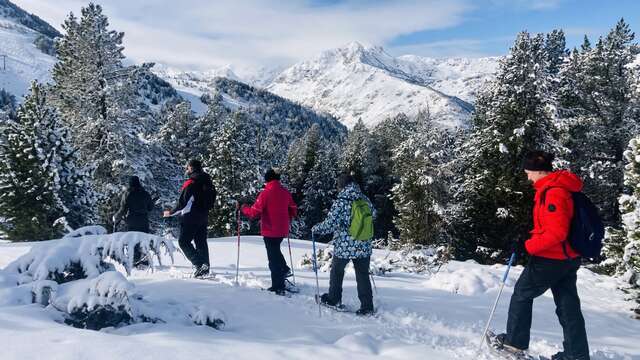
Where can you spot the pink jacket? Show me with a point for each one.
(275, 208)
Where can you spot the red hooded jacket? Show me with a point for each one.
(274, 207)
(552, 219)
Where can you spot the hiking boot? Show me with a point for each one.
(288, 274)
(561, 356)
(325, 299)
(365, 312)
(203, 270)
(500, 343)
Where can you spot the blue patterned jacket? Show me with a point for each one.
(338, 221)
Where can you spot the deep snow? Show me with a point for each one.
(419, 316)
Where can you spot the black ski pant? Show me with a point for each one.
(197, 234)
(336, 277)
(277, 263)
(538, 276)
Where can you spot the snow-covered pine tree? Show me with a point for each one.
(386, 137)
(357, 156)
(177, 133)
(301, 159)
(514, 115)
(556, 49)
(630, 209)
(319, 188)
(7, 102)
(421, 193)
(599, 107)
(98, 99)
(39, 180)
(233, 166)
(622, 246)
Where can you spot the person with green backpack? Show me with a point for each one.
(351, 222)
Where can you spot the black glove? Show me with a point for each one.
(518, 248)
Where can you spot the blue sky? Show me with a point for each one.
(489, 27)
(248, 34)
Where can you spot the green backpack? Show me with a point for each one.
(361, 227)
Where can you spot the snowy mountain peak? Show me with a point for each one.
(358, 81)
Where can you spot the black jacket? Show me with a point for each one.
(199, 213)
(135, 206)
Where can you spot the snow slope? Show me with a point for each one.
(419, 317)
(24, 62)
(365, 82)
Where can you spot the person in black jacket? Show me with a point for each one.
(197, 196)
(135, 205)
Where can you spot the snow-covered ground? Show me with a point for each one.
(419, 316)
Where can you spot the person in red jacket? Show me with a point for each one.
(553, 264)
(275, 208)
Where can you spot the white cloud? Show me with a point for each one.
(251, 33)
(454, 47)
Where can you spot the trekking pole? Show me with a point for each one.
(375, 288)
(495, 304)
(293, 274)
(238, 256)
(315, 269)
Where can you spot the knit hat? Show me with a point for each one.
(134, 182)
(538, 161)
(271, 175)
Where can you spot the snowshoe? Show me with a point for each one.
(365, 312)
(290, 287)
(201, 271)
(497, 346)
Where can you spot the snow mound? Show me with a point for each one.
(73, 258)
(465, 281)
(359, 342)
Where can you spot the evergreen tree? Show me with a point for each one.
(386, 137)
(513, 116)
(630, 209)
(38, 175)
(319, 188)
(233, 166)
(177, 133)
(422, 193)
(597, 104)
(357, 156)
(98, 100)
(7, 102)
(301, 159)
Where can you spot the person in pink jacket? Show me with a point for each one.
(275, 208)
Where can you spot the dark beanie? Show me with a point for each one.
(195, 164)
(134, 182)
(344, 179)
(271, 175)
(538, 161)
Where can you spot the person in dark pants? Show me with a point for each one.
(553, 264)
(346, 248)
(275, 208)
(197, 197)
(135, 206)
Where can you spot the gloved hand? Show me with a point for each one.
(518, 248)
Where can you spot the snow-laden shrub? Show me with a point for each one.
(74, 258)
(208, 317)
(324, 257)
(411, 258)
(108, 300)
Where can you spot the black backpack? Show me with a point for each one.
(205, 193)
(587, 231)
